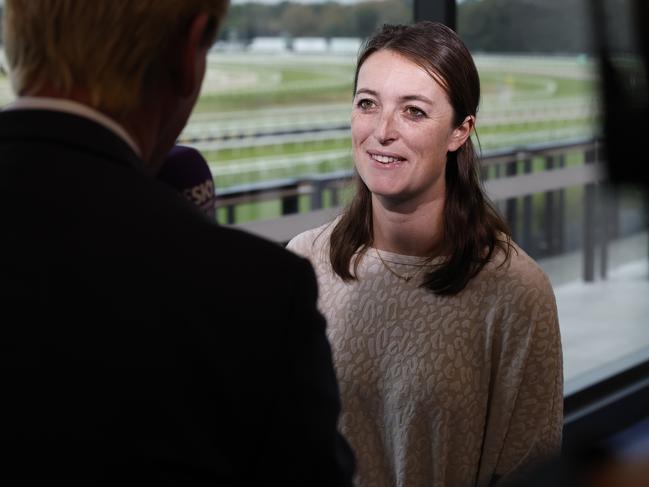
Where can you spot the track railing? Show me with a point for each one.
(524, 182)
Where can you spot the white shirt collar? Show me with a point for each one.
(75, 108)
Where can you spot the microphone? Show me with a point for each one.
(186, 170)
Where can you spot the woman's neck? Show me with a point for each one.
(414, 230)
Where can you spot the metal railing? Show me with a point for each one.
(520, 180)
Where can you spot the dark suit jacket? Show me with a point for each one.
(140, 342)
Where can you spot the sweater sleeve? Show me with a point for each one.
(301, 245)
(525, 416)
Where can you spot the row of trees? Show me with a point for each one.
(330, 19)
(485, 25)
(540, 25)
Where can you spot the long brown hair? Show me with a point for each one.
(472, 228)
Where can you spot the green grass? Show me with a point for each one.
(572, 87)
(228, 155)
(273, 208)
(341, 92)
(279, 86)
(314, 84)
(268, 99)
(493, 82)
(293, 84)
(326, 166)
(525, 127)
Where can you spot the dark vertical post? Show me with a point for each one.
(335, 199)
(604, 212)
(604, 199)
(528, 241)
(317, 188)
(230, 214)
(499, 204)
(289, 204)
(511, 210)
(443, 11)
(646, 216)
(561, 213)
(613, 214)
(549, 212)
(589, 222)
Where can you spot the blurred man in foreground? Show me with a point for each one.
(140, 342)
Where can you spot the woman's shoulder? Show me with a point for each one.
(518, 294)
(516, 272)
(314, 242)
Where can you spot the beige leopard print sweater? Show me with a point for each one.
(438, 390)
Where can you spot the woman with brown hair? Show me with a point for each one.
(445, 333)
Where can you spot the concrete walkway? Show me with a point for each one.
(604, 324)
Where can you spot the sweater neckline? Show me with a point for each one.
(413, 260)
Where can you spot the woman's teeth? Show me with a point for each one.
(385, 159)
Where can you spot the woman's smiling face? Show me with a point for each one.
(402, 130)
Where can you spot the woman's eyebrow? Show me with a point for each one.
(422, 98)
(366, 91)
(417, 98)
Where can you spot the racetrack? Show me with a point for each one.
(267, 116)
(526, 99)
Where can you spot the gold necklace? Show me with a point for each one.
(395, 273)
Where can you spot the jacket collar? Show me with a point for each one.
(75, 108)
(66, 129)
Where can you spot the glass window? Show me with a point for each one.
(275, 105)
(540, 131)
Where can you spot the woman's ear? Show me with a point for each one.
(461, 133)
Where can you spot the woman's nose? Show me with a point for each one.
(385, 130)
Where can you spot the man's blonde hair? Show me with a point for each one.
(112, 49)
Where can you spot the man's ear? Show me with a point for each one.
(461, 133)
(192, 55)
